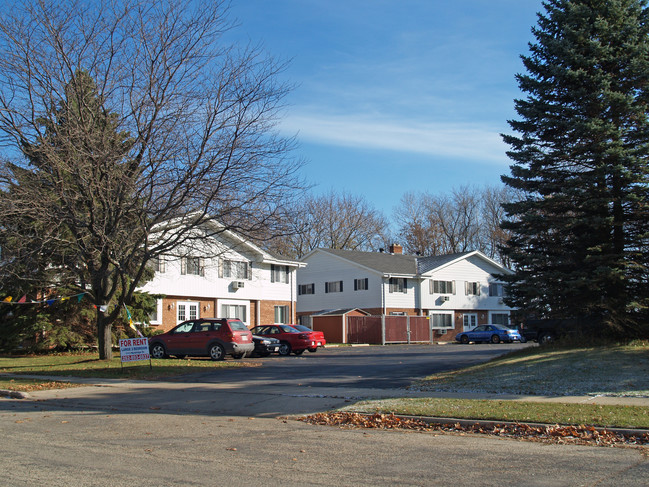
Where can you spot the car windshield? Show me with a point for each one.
(287, 329)
(301, 327)
(237, 325)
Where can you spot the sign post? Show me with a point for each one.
(134, 349)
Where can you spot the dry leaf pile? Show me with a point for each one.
(576, 435)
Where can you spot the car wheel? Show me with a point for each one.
(158, 351)
(495, 339)
(298, 352)
(523, 339)
(464, 339)
(313, 350)
(216, 352)
(284, 349)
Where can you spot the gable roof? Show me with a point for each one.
(339, 312)
(382, 262)
(404, 265)
(214, 228)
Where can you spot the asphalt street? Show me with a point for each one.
(238, 427)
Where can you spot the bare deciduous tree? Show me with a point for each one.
(333, 220)
(464, 219)
(119, 118)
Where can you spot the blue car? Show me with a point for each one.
(489, 333)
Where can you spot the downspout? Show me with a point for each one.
(293, 310)
(383, 304)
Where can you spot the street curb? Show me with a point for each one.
(491, 424)
(14, 394)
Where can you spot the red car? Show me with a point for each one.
(317, 336)
(208, 337)
(291, 339)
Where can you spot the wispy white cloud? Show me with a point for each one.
(481, 144)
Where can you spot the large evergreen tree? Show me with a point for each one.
(580, 240)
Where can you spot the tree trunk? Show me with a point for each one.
(104, 337)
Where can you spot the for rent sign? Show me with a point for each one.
(133, 349)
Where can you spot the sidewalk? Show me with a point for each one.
(326, 395)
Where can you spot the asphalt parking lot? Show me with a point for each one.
(230, 426)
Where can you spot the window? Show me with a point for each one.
(442, 287)
(187, 311)
(237, 311)
(159, 264)
(398, 285)
(155, 317)
(192, 265)
(279, 273)
(334, 287)
(442, 320)
(281, 314)
(306, 289)
(472, 288)
(500, 319)
(234, 269)
(361, 284)
(496, 289)
(184, 328)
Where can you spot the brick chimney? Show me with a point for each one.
(396, 249)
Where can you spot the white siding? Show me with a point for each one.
(400, 299)
(473, 269)
(322, 268)
(173, 283)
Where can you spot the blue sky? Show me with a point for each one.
(396, 96)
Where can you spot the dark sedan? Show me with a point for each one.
(264, 346)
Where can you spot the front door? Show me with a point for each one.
(187, 310)
(470, 321)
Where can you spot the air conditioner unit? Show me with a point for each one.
(445, 298)
(238, 284)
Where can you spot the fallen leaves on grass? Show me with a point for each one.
(576, 435)
(39, 386)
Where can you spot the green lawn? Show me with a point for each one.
(87, 365)
(620, 370)
(535, 412)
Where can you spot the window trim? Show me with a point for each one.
(330, 284)
(184, 265)
(434, 286)
(365, 284)
(244, 265)
(432, 314)
(395, 285)
(492, 313)
(472, 286)
(499, 287)
(306, 289)
(282, 272)
(286, 312)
